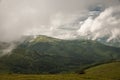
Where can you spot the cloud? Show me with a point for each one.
(107, 24)
(57, 18)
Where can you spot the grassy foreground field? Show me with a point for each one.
(110, 71)
(52, 77)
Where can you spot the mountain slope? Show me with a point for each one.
(49, 55)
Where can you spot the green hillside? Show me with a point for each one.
(108, 71)
(49, 55)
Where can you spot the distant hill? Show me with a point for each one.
(50, 55)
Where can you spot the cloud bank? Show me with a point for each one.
(65, 19)
(107, 24)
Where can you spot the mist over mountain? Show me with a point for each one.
(77, 34)
(70, 19)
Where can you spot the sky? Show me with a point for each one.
(64, 19)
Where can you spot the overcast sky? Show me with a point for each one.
(64, 19)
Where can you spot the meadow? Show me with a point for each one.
(52, 77)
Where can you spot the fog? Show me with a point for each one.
(65, 19)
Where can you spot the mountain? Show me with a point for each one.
(105, 41)
(50, 55)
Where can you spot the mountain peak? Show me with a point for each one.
(43, 38)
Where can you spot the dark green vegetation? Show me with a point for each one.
(49, 55)
(110, 71)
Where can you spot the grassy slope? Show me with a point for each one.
(110, 71)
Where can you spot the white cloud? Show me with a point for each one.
(107, 24)
(19, 17)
